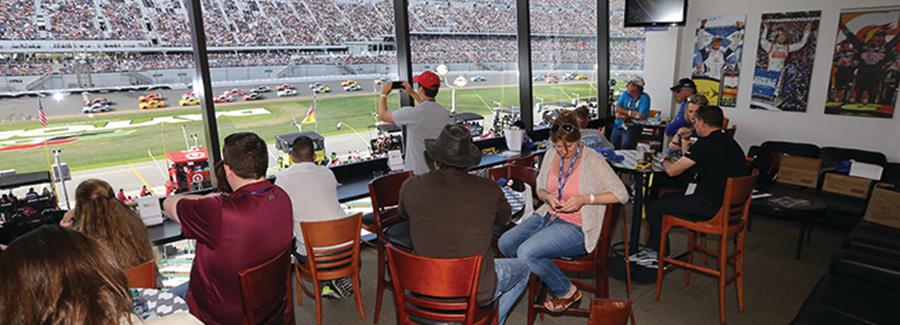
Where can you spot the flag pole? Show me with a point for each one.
(42, 117)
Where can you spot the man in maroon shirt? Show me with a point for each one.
(234, 231)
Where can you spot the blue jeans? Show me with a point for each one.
(181, 290)
(623, 138)
(537, 240)
(512, 278)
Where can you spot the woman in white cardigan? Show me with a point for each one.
(575, 184)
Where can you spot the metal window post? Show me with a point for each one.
(523, 38)
(202, 84)
(401, 37)
(603, 59)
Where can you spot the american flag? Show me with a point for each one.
(41, 115)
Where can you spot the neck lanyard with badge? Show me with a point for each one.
(637, 103)
(562, 181)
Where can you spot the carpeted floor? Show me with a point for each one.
(775, 285)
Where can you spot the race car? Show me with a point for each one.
(286, 92)
(151, 96)
(262, 89)
(235, 92)
(252, 96)
(568, 76)
(350, 85)
(478, 78)
(315, 85)
(322, 90)
(98, 100)
(223, 99)
(284, 86)
(95, 108)
(188, 95)
(581, 76)
(189, 101)
(153, 104)
(551, 79)
(537, 77)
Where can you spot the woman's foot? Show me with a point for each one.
(556, 305)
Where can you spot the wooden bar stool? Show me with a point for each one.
(142, 276)
(447, 294)
(265, 300)
(595, 262)
(731, 220)
(332, 252)
(385, 195)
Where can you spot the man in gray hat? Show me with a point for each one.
(452, 213)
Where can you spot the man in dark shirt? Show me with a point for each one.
(714, 158)
(452, 213)
(234, 232)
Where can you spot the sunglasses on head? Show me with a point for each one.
(566, 127)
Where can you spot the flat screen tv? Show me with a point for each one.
(642, 13)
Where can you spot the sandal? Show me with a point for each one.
(558, 305)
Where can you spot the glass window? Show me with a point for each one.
(286, 67)
(564, 56)
(476, 41)
(626, 47)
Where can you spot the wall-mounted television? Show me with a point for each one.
(642, 13)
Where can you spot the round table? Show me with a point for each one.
(791, 202)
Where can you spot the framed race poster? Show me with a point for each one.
(717, 58)
(865, 71)
(784, 61)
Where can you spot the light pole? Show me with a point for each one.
(340, 125)
(62, 178)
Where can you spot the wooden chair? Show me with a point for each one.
(332, 252)
(266, 292)
(731, 220)
(611, 312)
(143, 275)
(594, 263)
(731, 131)
(528, 161)
(527, 175)
(447, 294)
(385, 195)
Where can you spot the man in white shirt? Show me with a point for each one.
(313, 192)
(424, 121)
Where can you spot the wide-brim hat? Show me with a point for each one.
(454, 147)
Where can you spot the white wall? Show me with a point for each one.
(756, 126)
(661, 50)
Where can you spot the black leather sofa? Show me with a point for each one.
(863, 284)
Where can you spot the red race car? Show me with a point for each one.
(252, 96)
(284, 86)
(223, 99)
(150, 97)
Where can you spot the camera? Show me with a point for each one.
(397, 85)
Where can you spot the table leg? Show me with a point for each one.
(809, 230)
(803, 229)
(637, 213)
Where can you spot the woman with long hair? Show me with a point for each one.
(55, 275)
(575, 183)
(99, 215)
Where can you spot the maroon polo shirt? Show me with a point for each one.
(234, 232)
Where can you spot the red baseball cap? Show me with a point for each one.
(428, 80)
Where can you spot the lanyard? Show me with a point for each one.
(560, 181)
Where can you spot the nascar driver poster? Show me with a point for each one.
(784, 61)
(717, 58)
(865, 71)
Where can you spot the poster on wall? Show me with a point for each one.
(865, 71)
(784, 61)
(717, 58)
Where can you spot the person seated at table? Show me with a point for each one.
(234, 231)
(632, 105)
(713, 159)
(575, 184)
(5, 199)
(592, 138)
(681, 141)
(684, 89)
(99, 215)
(54, 275)
(313, 192)
(31, 195)
(452, 213)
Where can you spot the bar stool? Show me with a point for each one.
(142, 276)
(385, 195)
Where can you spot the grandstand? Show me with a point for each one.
(53, 44)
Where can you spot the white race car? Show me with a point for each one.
(287, 92)
(352, 87)
(95, 108)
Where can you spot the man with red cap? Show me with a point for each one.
(423, 121)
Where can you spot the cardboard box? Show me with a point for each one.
(852, 186)
(800, 171)
(884, 207)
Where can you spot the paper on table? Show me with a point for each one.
(864, 170)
